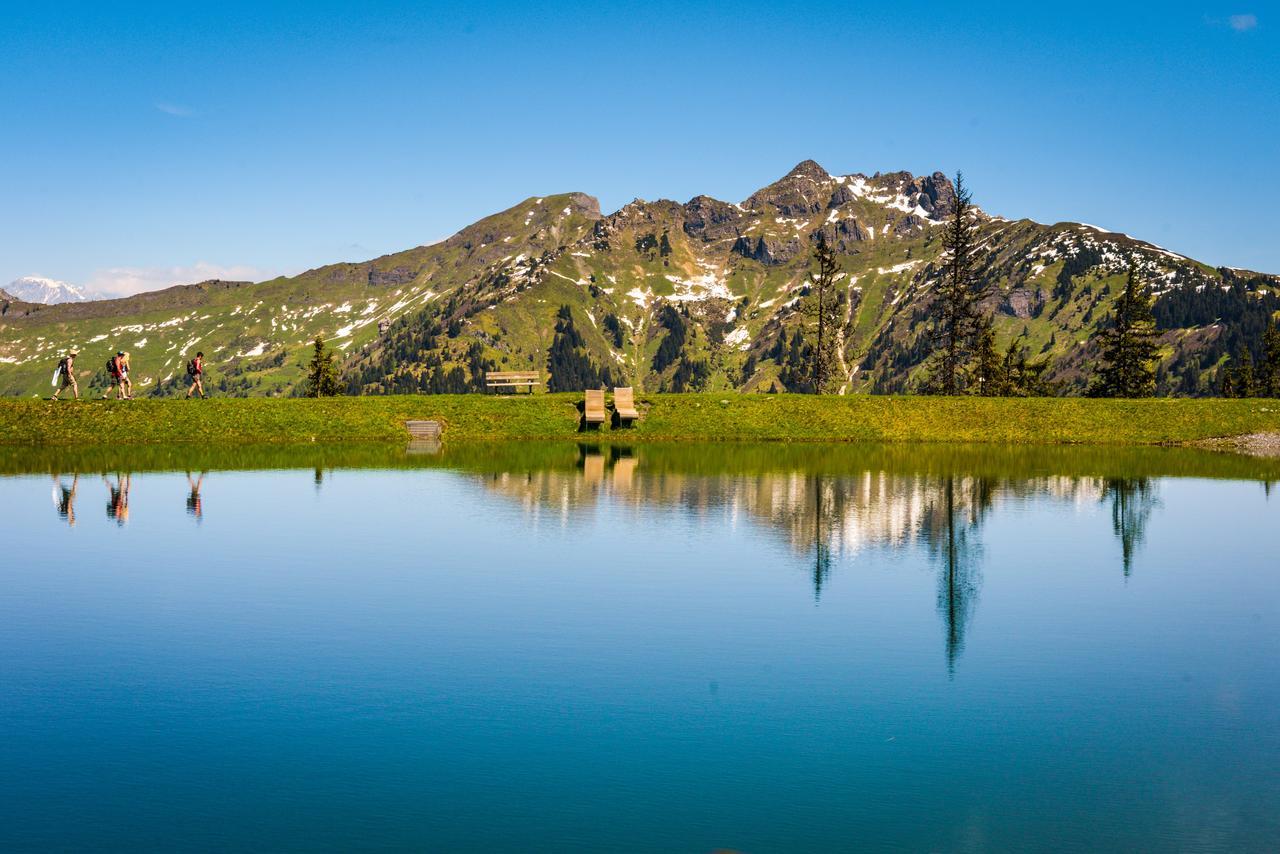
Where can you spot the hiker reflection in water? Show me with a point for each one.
(118, 506)
(64, 498)
(195, 505)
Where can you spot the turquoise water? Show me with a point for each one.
(668, 649)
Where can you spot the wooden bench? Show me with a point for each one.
(624, 403)
(512, 379)
(593, 406)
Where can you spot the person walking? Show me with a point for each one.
(65, 375)
(126, 384)
(195, 373)
(114, 383)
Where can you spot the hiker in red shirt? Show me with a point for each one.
(195, 373)
(115, 376)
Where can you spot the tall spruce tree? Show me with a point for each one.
(1128, 346)
(322, 374)
(1242, 380)
(989, 373)
(957, 320)
(823, 309)
(1269, 373)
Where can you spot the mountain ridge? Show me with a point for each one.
(719, 282)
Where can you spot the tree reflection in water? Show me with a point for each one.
(1132, 500)
(950, 529)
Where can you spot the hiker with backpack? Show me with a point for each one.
(66, 375)
(126, 384)
(195, 373)
(114, 376)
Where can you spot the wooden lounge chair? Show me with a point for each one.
(624, 403)
(593, 407)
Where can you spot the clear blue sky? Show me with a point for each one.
(140, 141)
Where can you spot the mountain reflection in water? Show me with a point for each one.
(696, 647)
(827, 518)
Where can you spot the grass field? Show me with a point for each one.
(665, 417)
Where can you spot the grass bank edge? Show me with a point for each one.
(665, 417)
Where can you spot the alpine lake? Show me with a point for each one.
(667, 648)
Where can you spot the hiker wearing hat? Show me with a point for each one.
(115, 381)
(64, 376)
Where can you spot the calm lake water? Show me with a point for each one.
(594, 648)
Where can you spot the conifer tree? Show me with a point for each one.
(823, 307)
(1242, 378)
(1128, 346)
(956, 316)
(1022, 377)
(988, 369)
(1269, 375)
(322, 374)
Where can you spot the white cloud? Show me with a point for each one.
(125, 281)
(174, 109)
(1241, 23)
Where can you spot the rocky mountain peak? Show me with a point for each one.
(808, 169)
(795, 194)
(586, 205)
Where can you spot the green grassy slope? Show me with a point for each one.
(257, 337)
(666, 417)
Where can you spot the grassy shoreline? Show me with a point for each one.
(666, 418)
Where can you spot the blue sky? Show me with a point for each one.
(149, 144)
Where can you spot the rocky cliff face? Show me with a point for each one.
(704, 294)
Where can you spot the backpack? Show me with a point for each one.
(112, 368)
(192, 368)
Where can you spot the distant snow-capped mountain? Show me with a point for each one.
(47, 291)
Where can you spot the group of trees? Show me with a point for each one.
(1240, 378)
(960, 352)
(569, 364)
(963, 357)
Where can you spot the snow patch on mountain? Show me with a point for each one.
(39, 289)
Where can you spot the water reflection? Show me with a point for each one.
(64, 498)
(1132, 501)
(466, 631)
(195, 504)
(118, 503)
(826, 519)
(950, 527)
(825, 506)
